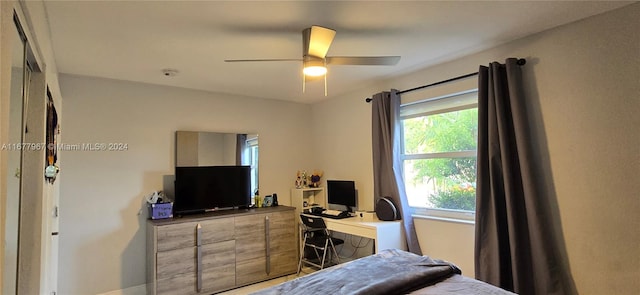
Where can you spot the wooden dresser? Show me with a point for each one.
(208, 253)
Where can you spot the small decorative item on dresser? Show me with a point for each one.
(299, 181)
(304, 179)
(256, 199)
(268, 201)
(158, 209)
(161, 210)
(315, 178)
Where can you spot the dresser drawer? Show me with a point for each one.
(176, 262)
(218, 254)
(251, 271)
(178, 267)
(217, 230)
(218, 279)
(282, 232)
(282, 221)
(175, 236)
(282, 241)
(250, 241)
(218, 266)
(283, 263)
(184, 284)
(250, 224)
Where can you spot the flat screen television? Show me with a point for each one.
(342, 192)
(208, 188)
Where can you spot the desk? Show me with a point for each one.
(385, 234)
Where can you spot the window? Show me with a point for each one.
(252, 155)
(439, 152)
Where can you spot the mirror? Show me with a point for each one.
(196, 148)
(14, 160)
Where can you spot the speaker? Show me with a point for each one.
(386, 210)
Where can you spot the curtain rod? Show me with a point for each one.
(520, 62)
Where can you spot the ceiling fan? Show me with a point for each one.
(316, 41)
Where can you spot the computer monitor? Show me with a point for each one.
(342, 192)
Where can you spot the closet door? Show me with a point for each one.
(13, 179)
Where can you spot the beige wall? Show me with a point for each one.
(584, 98)
(102, 239)
(457, 247)
(342, 143)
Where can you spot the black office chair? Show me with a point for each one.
(318, 238)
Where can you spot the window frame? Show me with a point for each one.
(464, 216)
(253, 150)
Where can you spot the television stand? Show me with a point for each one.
(221, 250)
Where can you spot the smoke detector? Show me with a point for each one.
(169, 72)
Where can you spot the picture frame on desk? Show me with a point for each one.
(267, 201)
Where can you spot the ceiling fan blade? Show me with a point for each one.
(316, 41)
(363, 60)
(268, 59)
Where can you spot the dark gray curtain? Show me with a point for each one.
(514, 244)
(241, 146)
(387, 166)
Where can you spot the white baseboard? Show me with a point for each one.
(135, 290)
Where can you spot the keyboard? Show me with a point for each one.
(331, 212)
(335, 214)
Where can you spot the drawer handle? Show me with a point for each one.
(199, 257)
(266, 243)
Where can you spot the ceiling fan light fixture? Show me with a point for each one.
(315, 71)
(314, 67)
(316, 41)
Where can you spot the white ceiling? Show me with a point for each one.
(135, 40)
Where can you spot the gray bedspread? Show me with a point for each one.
(460, 285)
(388, 272)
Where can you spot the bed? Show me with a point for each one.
(388, 272)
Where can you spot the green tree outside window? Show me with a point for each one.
(451, 178)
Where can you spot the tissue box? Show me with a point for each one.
(161, 210)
